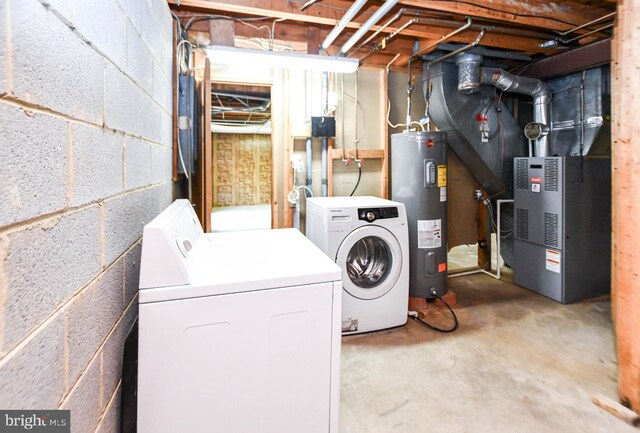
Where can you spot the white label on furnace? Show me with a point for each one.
(443, 194)
(553, 261)
(430, 233)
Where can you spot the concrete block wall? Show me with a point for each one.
(85, 145)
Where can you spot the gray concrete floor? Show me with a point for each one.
(518, 363)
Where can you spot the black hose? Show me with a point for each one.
(435, 328)
(358, 182)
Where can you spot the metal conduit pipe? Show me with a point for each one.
(377, 15)
(443, 38)
(471, 76)
(346, 19)
(309, 143)
(325, 141)
(309, 152)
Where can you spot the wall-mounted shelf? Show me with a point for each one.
(362, 153)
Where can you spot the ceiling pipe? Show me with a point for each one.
(466, 26)
(458, 51)
(606, 17)
(346, 19)
(377, 16)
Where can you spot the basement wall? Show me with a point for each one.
(85, 145)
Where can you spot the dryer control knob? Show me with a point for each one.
(371, 216)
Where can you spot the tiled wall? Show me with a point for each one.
(85, 148)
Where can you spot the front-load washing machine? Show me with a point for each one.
(368, 238)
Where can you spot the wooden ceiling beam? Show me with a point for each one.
(535, 13)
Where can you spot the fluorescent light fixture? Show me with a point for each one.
(280, 59)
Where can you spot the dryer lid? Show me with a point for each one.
(235, 262)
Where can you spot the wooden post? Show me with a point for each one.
(625, 277)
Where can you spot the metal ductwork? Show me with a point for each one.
(457, 113)
(471, 75)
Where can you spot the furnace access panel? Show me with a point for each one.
(562, 228)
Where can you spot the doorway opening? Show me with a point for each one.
(242, 160)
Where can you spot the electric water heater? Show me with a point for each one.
(419, 180)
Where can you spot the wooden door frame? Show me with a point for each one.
(275, 192)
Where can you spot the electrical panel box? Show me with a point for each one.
(562, 230)
(322, 127)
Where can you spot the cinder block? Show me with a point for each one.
(122, 101)
(162, 88)
(128, 108)
(150, 31)
(161, 161)
(139, 60)
(167, 56)
(104, 24)
(132, 273)
(33, 179)
(110, 422)
(112, 353)
(3, 51)
(92, 315)
(97, 164)
(84, 400)
(33, 376)
(45, 265)
(69, 75)
(154, 114)
(166, 195)
(162, 14)
(137, 161)
(166, 129)
(124, 218)
(133, 11)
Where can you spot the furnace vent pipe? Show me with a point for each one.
(471, 75)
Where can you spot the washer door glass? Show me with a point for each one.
(371, 260)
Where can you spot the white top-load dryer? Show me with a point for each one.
(239, 332)
(368, 238)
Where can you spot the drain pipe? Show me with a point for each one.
(325, 140)
(346, 19)
(377, 16)
(471, 75)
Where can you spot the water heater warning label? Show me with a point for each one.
(442, 176)
(429, 233)
(553, 261)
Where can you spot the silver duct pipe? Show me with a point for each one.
(346, 19)
(377, 16)
(471, 76)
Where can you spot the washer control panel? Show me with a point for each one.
(372, 214)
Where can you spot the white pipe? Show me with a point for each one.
(498, 235)
(346, 19)
(382, 10)
(472, 272)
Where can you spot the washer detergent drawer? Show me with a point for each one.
(263, 361)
